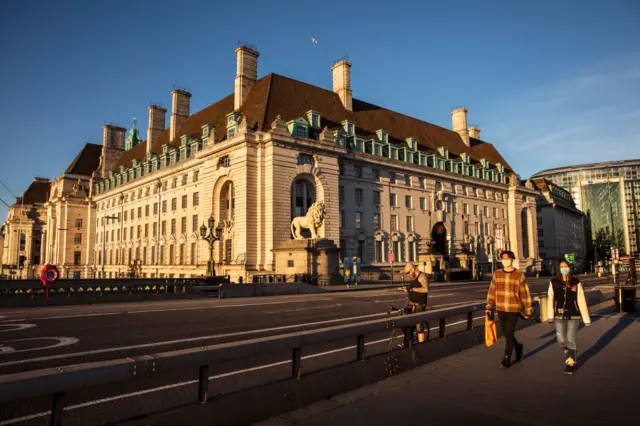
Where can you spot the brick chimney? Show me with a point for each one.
(246, 74)
(459, 123)
(179, 111)
(474, 132)
(342, 83)
(156, 124)
(112, 146)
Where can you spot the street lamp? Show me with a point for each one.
(208, 236)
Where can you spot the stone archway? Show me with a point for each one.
(439, 239)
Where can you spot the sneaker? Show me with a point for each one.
(519, 351)
(569, 366)
(506, 362)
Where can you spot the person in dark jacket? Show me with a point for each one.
(566, 306)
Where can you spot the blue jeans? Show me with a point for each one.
(566, 331)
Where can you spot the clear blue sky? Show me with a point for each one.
(549, 82)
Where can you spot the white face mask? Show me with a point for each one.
(507, 263)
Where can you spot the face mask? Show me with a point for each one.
(507, 263)
(564, 271)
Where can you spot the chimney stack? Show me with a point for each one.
(179, 111)
(342, 83)
(156, 124)
(246, 74)
(474, 132)
(459, 122)
(112, 146)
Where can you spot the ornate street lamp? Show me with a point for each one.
(208, 236)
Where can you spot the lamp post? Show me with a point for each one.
(104, 244)
(207, 234)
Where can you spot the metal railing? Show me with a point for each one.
(58, 381)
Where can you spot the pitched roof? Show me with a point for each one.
(86, 162)
(274, 95)
(37, 193)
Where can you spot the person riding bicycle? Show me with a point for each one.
(418, 292)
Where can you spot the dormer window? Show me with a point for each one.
(341, 139)
(465, 158)
(485, 163)
(349, 127)
(444, 152)
(412, 143)
(233, 120)
(383, 136)
(184, 140)
(313, 117)
(500, 167)
(298, 128)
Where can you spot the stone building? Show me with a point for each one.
(264, 154)
(67, 231)
(560, 224)
(24, 241)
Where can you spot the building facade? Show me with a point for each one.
(24, 238)
(254, 160)
(560, 225)
(608, 193)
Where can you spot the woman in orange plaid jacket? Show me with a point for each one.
(509, 295)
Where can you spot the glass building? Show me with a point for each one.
(608, 193)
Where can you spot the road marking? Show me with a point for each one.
(18, 327)
(188, 340)
(304, 309)
(62, 341)
(191, 382)
(78, 316)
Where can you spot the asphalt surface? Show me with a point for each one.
(36, 338)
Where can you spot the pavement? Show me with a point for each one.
(470, 388)
(36, 338)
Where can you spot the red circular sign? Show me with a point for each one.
(49, 274)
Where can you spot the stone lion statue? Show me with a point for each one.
(312, 221)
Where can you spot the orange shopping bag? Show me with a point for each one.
(490, 334)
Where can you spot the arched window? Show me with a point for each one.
(227, 202)
(525, 233)
(303, 196)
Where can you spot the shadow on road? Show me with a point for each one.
(603, 341)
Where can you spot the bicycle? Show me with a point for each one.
(402, 334)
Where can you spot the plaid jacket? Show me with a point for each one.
(509, 292)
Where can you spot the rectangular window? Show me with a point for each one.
(173, 226)
(465, 208)
(164, 227)
(376, 175)
(409, 223)
(171, 255)
(421, 181)
(486, 211)
(131, 233)
(77, 257)
(139, 231)
(146, 230)
(540, 232)
(196, 199)
(164, 206)
(77, 239)
(194, 223)
(144, 255)
(503, 214)
(227, 251)
(184, 180)
(392, 177)
(174, 204)
(357, 172)
(379, 252)
(341, 218)
(174, 182)
(394, 222)
(358, 220)
(341, 194)
(195, 175)
(155, 208)
(495, 212)
(125, 215)
(184, 225)
(393, 200)
(155, 229)
(423, 203)
(486, 229)
(358, 196)
(376, 221)
(408, 201)
(341, 169)
(139, 212)
(78, 223)
(133, 216)
(181, 257)
(407, 180)
(146, 210)
(376, 198)
(184, 201)
(412, 251)
(466, 228)
(161, 260)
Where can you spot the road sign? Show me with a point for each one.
(48, 276)
(570, 257)
(391, 257)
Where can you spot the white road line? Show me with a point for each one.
(78, 316)
(304, 309)
(17, 327)
(188, 340)
(191, 382)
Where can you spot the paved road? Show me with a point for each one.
(36, 338)
(469, 388)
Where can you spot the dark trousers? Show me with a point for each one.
(508, 321)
